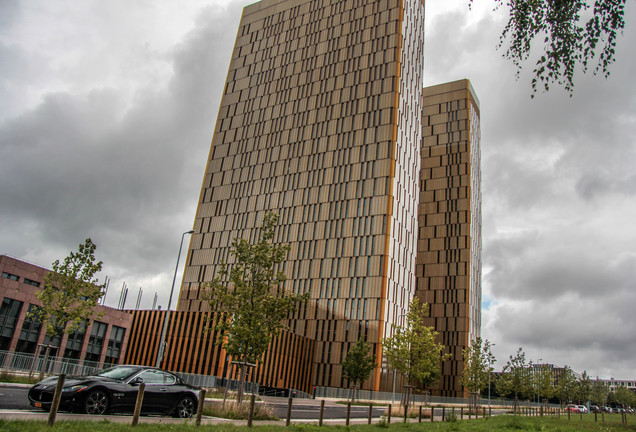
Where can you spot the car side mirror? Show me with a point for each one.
(137, 381)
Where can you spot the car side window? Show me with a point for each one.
(151, 377)
(168, 379)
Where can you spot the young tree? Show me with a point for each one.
(583, 390)
(515, 377)
(70, 292)
(599, 392)
(412, 350)
(623, 396)
(248, 300)
(478, 361)
(358, 364)
(544, 382)
(571, 33)
(567, 384)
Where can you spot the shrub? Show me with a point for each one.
(235, 411)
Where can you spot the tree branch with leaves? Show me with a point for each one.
(70, 292)
(478, 364)
(413, 350)
(515, 377)
(566, 35)
(358, 365)
(248, 300)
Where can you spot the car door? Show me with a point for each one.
(154, 393)
(167, 399)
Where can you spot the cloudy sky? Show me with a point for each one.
(107, 111)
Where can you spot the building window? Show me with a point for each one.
(96, 341)
(9, 313)
(75, 342)
(113, 351)
(10, 276)
(53, 342)
(31, 282)
(30, 333)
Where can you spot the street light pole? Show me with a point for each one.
(162, 343)
(539, 383)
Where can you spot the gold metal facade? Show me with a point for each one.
(320, 121)
(449, 245)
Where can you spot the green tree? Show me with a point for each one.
(566, 35)
(515, 378)
(622, 396)
(583, 390)
(248, 298)
(478, 362)
(566, 387)
(412, 350)
(599, 392)
(544, 381)
(70, 292)
(358, 364)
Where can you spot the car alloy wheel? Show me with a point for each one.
(185, 408)
(96, 402)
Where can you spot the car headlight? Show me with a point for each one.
(75, 388)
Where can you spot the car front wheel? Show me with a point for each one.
(96, 402)
(185, 407)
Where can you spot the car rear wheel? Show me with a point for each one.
(96, 402)
(185, 407)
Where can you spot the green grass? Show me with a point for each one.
(494, 424)
(21, 379)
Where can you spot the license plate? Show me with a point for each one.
(38, 404)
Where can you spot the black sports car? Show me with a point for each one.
(115, 390)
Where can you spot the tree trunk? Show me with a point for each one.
(228, 375)
(239, 394)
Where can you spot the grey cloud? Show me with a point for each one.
(77, 165)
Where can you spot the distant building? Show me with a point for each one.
(101, 341)
(614, 383)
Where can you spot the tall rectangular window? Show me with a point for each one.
(75, 342)
(113, 351)
(9, 313)
(30, 333)
(96, 341)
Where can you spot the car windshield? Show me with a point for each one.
(118, 372)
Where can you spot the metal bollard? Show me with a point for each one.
(197, 422)
(289, 410)
(370, 412)
(56, 399)
(322, 412)
(250, 417)
(140, 401)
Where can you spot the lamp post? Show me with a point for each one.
(538, 382)
(162, 343)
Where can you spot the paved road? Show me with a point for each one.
(14, 398)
